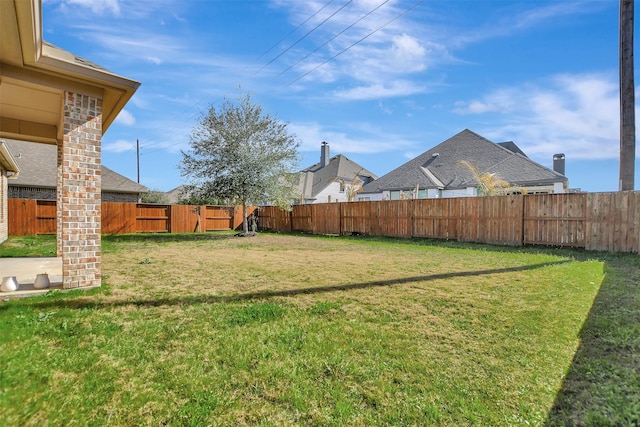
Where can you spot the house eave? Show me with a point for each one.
(7, 161)
(27, 63)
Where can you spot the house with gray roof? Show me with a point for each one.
(38, 171)
(331, 179)
(438, 173)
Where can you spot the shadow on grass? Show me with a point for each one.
(602, 386)
(210, 299)
(166, 237)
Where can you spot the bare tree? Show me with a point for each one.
(627, 98)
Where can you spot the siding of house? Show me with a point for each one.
(331, 193)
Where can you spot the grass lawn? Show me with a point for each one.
(211, 329)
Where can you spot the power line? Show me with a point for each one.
(357, 42)
(294, 30)
(303, 37)
(144, 145)
(305, 57)
(332, 39)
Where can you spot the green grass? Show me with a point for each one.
(29, 246)
(290, 330)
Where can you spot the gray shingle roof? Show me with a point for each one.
(439, 168)
(511, 146)
(38, 168)
(315, 178)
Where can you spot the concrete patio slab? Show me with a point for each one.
(26, 269)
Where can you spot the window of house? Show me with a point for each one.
(342, 186)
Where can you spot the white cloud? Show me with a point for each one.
(408, 51)
(380, 90)
(346, 52)
(119, 146)
(573, 114)
(126, 118)
(384, 108)
(365, 140)
(497, 101)
(510, 20)
(97, 6)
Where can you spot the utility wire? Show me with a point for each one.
(294, 30)
(315, 50)
(303, 37)
(357, 42)
(331, 39)
(144, 145)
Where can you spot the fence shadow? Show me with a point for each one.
(602, 386)
(165, 237)
(210, 299)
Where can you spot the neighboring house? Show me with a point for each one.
(38, 171)
(331, 179)
(438, 173)
(176, 195)
(8, 170)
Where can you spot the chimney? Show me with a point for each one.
(324, 154)
(558, 163)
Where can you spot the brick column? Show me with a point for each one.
(79, 188)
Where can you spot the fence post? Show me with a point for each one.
(413, 216)
(524, 216)
(340, 220)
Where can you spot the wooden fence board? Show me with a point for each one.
(301, 219)
(393, 218)
(614, 222)
(218, 218)
(635, 224)
(595, 221)
(436, 218)
(30, 217)
(22, 216)
(184, 219)
(555, 219)
(46, 216)
(118, 218)
(151, 218)
(326, 218)
(238, 216)
(356, 217)
(469, 220)
(273, 218)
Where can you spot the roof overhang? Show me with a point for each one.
(7, 161)
(34, 76)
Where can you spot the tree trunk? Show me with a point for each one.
(627, 98)
(245, 223)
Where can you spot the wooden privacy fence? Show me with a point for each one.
(594, 221)
(30, 217)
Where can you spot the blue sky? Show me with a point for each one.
(381, 81)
